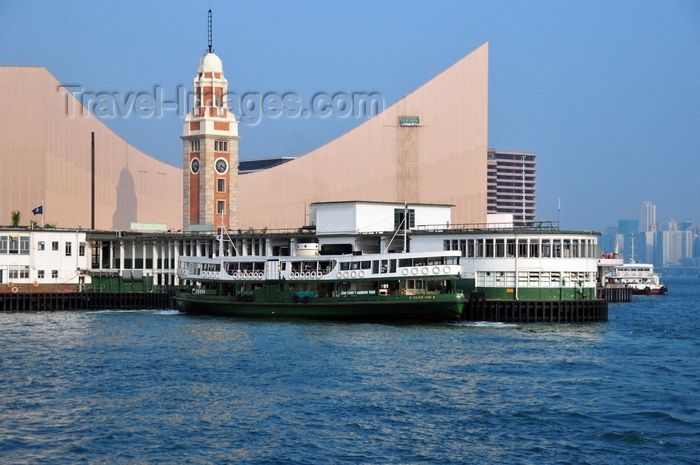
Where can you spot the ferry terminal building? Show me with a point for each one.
(427, 151)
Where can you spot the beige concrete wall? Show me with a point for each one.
(45, 155)
(365, 163)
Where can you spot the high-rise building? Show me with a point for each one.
(210, 151)
(511, 184)
(647, 217)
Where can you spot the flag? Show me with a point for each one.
(38, 210)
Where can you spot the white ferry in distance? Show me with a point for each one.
(640, 277)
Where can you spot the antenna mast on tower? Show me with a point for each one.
(210, 48)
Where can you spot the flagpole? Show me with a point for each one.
(42, 214)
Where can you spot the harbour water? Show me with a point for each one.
(132, 387)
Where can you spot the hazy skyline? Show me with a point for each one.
(605, 92)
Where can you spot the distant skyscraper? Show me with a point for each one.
(647, 217)
(511, 184)
(628, 226)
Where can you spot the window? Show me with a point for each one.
(69, 249)
(40, 245)
(54, 274)
(3, 244)
(24, 272)
(40, 274)
(221, 207)
(194, 145)
(81, 249)
(54, 245)
(399, 214)
(14, 245)
(221, 146)
(24, 245)
(220, 185)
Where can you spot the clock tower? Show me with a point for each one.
(210, 151)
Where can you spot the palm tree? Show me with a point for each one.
(15, 218)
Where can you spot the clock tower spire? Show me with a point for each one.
(210, 150)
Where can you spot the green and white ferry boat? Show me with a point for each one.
(385, 286)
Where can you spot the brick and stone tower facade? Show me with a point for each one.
(210, 152)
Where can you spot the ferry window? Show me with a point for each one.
(534, 278)
(470, 248)
(392, 266)
(366, 265)
(13, 273)
(522, 278)
(405, 262)
(344, 266)
(534, 248)
(54, 274)
(446, 245)
(375, 266)
(489, 248)
(3, 244)
(567, 248)
(547, 248)
(544, 278)
(435, 286)
(522, 247)
(556, 277)
(40, 274)
(510, 248)
(556, 249)
(500, 248)
(479, 252)
(574, 248)
(24, 272)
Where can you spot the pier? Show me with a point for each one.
(57, 301)
(478, 308)
(614, 293)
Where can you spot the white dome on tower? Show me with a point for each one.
(210, 63)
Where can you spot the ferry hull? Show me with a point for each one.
(405, 308)
(649, 290)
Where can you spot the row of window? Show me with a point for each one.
(219, 145)
(68, 247)
(14, 245)
(20, 245)
(526, 248)
(22, 272)
(534, 278)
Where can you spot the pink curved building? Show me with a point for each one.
(46, 157)
(429, 147)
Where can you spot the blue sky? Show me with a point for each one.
(607, 93)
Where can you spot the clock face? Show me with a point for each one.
(221, 166)
(194, 166)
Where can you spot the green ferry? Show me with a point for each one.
(406, 286)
